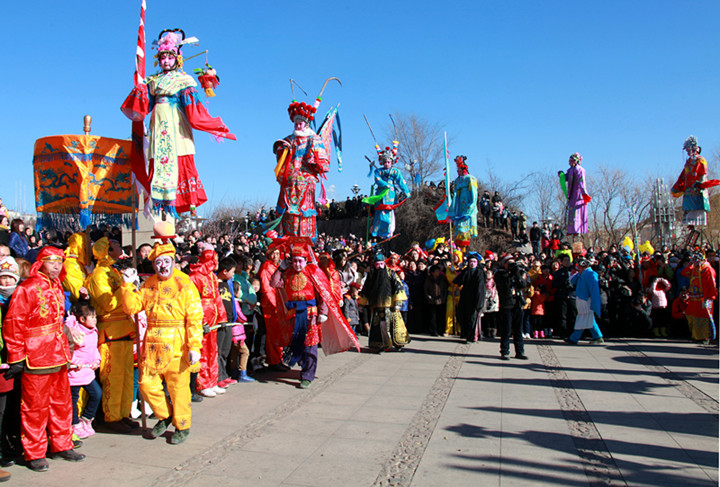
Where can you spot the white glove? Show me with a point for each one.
(397, 306)
(130, 275)
(193, 357)
(322, 318)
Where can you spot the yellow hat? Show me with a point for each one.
(162, 249)
(100, 248)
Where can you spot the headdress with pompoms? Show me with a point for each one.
(460, 162)
(389, 153)
(691, 143)
(576, 158)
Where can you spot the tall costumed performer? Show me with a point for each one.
(303, 159)
(390, 191)
(463, 208)
(693, 184)
(573, 182)
(171, 99)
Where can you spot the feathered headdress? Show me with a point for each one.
(171, 40)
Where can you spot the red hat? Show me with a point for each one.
(303, 109)
(299, 251)
(460, 162)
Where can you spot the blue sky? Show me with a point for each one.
(519, 86)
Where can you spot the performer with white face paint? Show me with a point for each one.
(173, 339)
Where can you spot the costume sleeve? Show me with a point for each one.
(678, 309)
(199, 118)
(193, 317)
(708, 282)
(593, 282)
(74, 279)
(98, 286)
(130, 299)
(401, 184)
(137, 105)
(15, 325)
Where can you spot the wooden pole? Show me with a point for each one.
(138, 342)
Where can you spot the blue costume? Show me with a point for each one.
(390, 182)
(463, 209)
(587, 290)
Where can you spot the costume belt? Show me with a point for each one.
(302, 306)
(44, 330)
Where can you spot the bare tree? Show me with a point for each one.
(512, 193)
(545, 199)
(420, 153)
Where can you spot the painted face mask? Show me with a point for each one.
(163, 265)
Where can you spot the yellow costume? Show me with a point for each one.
(75, 262)
(116, 332)
(452, 326)
(174, 316)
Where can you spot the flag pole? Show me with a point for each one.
(138, 126)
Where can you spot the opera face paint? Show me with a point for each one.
(300, 123)
(163, 266)
(298, 263)
(168, 61)
(380, 264)
(472, 263)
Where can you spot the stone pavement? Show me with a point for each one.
(631, 412)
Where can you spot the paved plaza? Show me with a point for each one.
(630, 412)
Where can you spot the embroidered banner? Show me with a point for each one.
(82, 178)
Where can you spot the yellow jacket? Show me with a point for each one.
(75, 276)
(103, 285)
(174, 317)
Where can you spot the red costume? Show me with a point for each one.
(33, 332)
(703, 291)
(203, 276)
(272, 303)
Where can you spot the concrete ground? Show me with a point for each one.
(630, 412)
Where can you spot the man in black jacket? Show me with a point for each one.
(510, 281)
(535, 238)
(472, 295)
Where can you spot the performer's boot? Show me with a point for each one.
(244, 377)
(161, 427)
(179, 436)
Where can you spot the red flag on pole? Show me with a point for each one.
(137, 155)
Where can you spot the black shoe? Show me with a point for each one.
(504, 357)
(38, 465)
(161, 427)
(277, 368)
(7, 462)
(567, 340)
(196, 397)
(132, 424)
(70, 456)
(119, 427)
(521, 356)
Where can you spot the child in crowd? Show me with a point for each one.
(85, 360)
(658, 297)
(239, 353)
(537, 311)
(680, 327)
(492, 306)
(350, 307)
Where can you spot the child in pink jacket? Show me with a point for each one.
(82, 325)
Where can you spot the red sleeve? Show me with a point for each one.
(200, 119)
(137, 105)
(708, 282)
(15, 325)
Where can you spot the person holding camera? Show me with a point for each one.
(511, 281)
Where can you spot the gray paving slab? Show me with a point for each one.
(632, 412)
